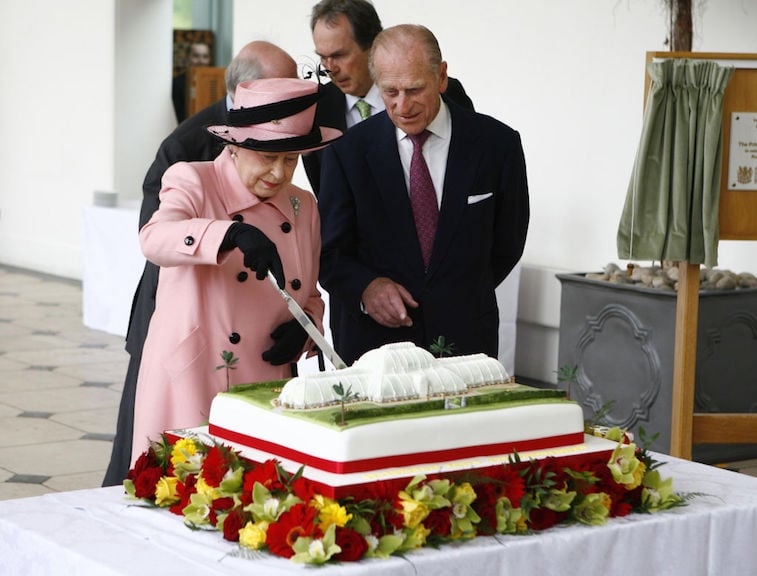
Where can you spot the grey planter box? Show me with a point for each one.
(622, 339)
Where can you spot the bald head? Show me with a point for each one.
(259, 59)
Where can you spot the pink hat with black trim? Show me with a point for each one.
(275, 115)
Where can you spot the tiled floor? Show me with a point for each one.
(60, 385)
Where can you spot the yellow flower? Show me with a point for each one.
(333, 513)
(165, 491)
(183, 450)
(414, 538)
(253, 535)
(413, 512)
(207, 491)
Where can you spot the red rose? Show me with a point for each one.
(145, 461)
(233, 523)
(543, 518)
(219, 506)
(144, 485)
(485, 506)
(438, 522)
(621, 509)
(380, 490)
(353, 545)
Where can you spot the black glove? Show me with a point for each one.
(260, 253)
(289, 338)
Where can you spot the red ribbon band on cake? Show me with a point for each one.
(398, 460)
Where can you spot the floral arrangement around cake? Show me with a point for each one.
(263, 507)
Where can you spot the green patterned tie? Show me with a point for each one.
(364, 108)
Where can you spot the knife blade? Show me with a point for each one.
(304, 321)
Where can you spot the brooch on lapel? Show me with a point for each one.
(295, 204)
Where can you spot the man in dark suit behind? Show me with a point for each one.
(372, 262)
(189, 142)
(343, 33)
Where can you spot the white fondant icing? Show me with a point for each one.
(398, 436)
(590, 445)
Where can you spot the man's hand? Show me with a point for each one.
(385, 301)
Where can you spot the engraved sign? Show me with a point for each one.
(742, 155)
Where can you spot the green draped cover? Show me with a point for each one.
(671, 208)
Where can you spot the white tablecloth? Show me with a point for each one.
(99, 532)
(113, 264)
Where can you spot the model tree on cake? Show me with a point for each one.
(441, 348)
(228, 364)
(344, 397)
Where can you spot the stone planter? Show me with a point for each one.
(622, 338)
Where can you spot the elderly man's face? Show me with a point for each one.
(199, 55)
(346, 62)
(408, 85)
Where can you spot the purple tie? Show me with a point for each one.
(423, 197)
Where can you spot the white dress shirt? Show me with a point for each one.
(434, 151)
(373, 98)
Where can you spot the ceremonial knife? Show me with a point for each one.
(305, 321)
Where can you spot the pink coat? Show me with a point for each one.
(206, 304)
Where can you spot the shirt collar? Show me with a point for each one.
(440, 126)
(372, 97)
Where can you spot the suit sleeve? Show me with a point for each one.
(342, 272)
(169, 153)
(513, 211)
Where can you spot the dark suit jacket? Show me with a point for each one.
(331, 112)
(188, 142)
(368, 231)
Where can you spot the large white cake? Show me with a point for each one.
(408, 413)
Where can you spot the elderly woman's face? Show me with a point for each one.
(264, 173)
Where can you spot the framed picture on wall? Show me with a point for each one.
(192, 49)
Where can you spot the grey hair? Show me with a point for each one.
(405, 36)
(241, 70)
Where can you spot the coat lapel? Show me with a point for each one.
(386, 170)
(460, 172)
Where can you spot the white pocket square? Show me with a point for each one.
(479, 197)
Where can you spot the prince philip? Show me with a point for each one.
(424, 210)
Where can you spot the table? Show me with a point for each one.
(113, 264)
(101, 533)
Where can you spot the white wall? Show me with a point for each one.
(84, 105)
(57, 123)
(143, 107)
(568, 75)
